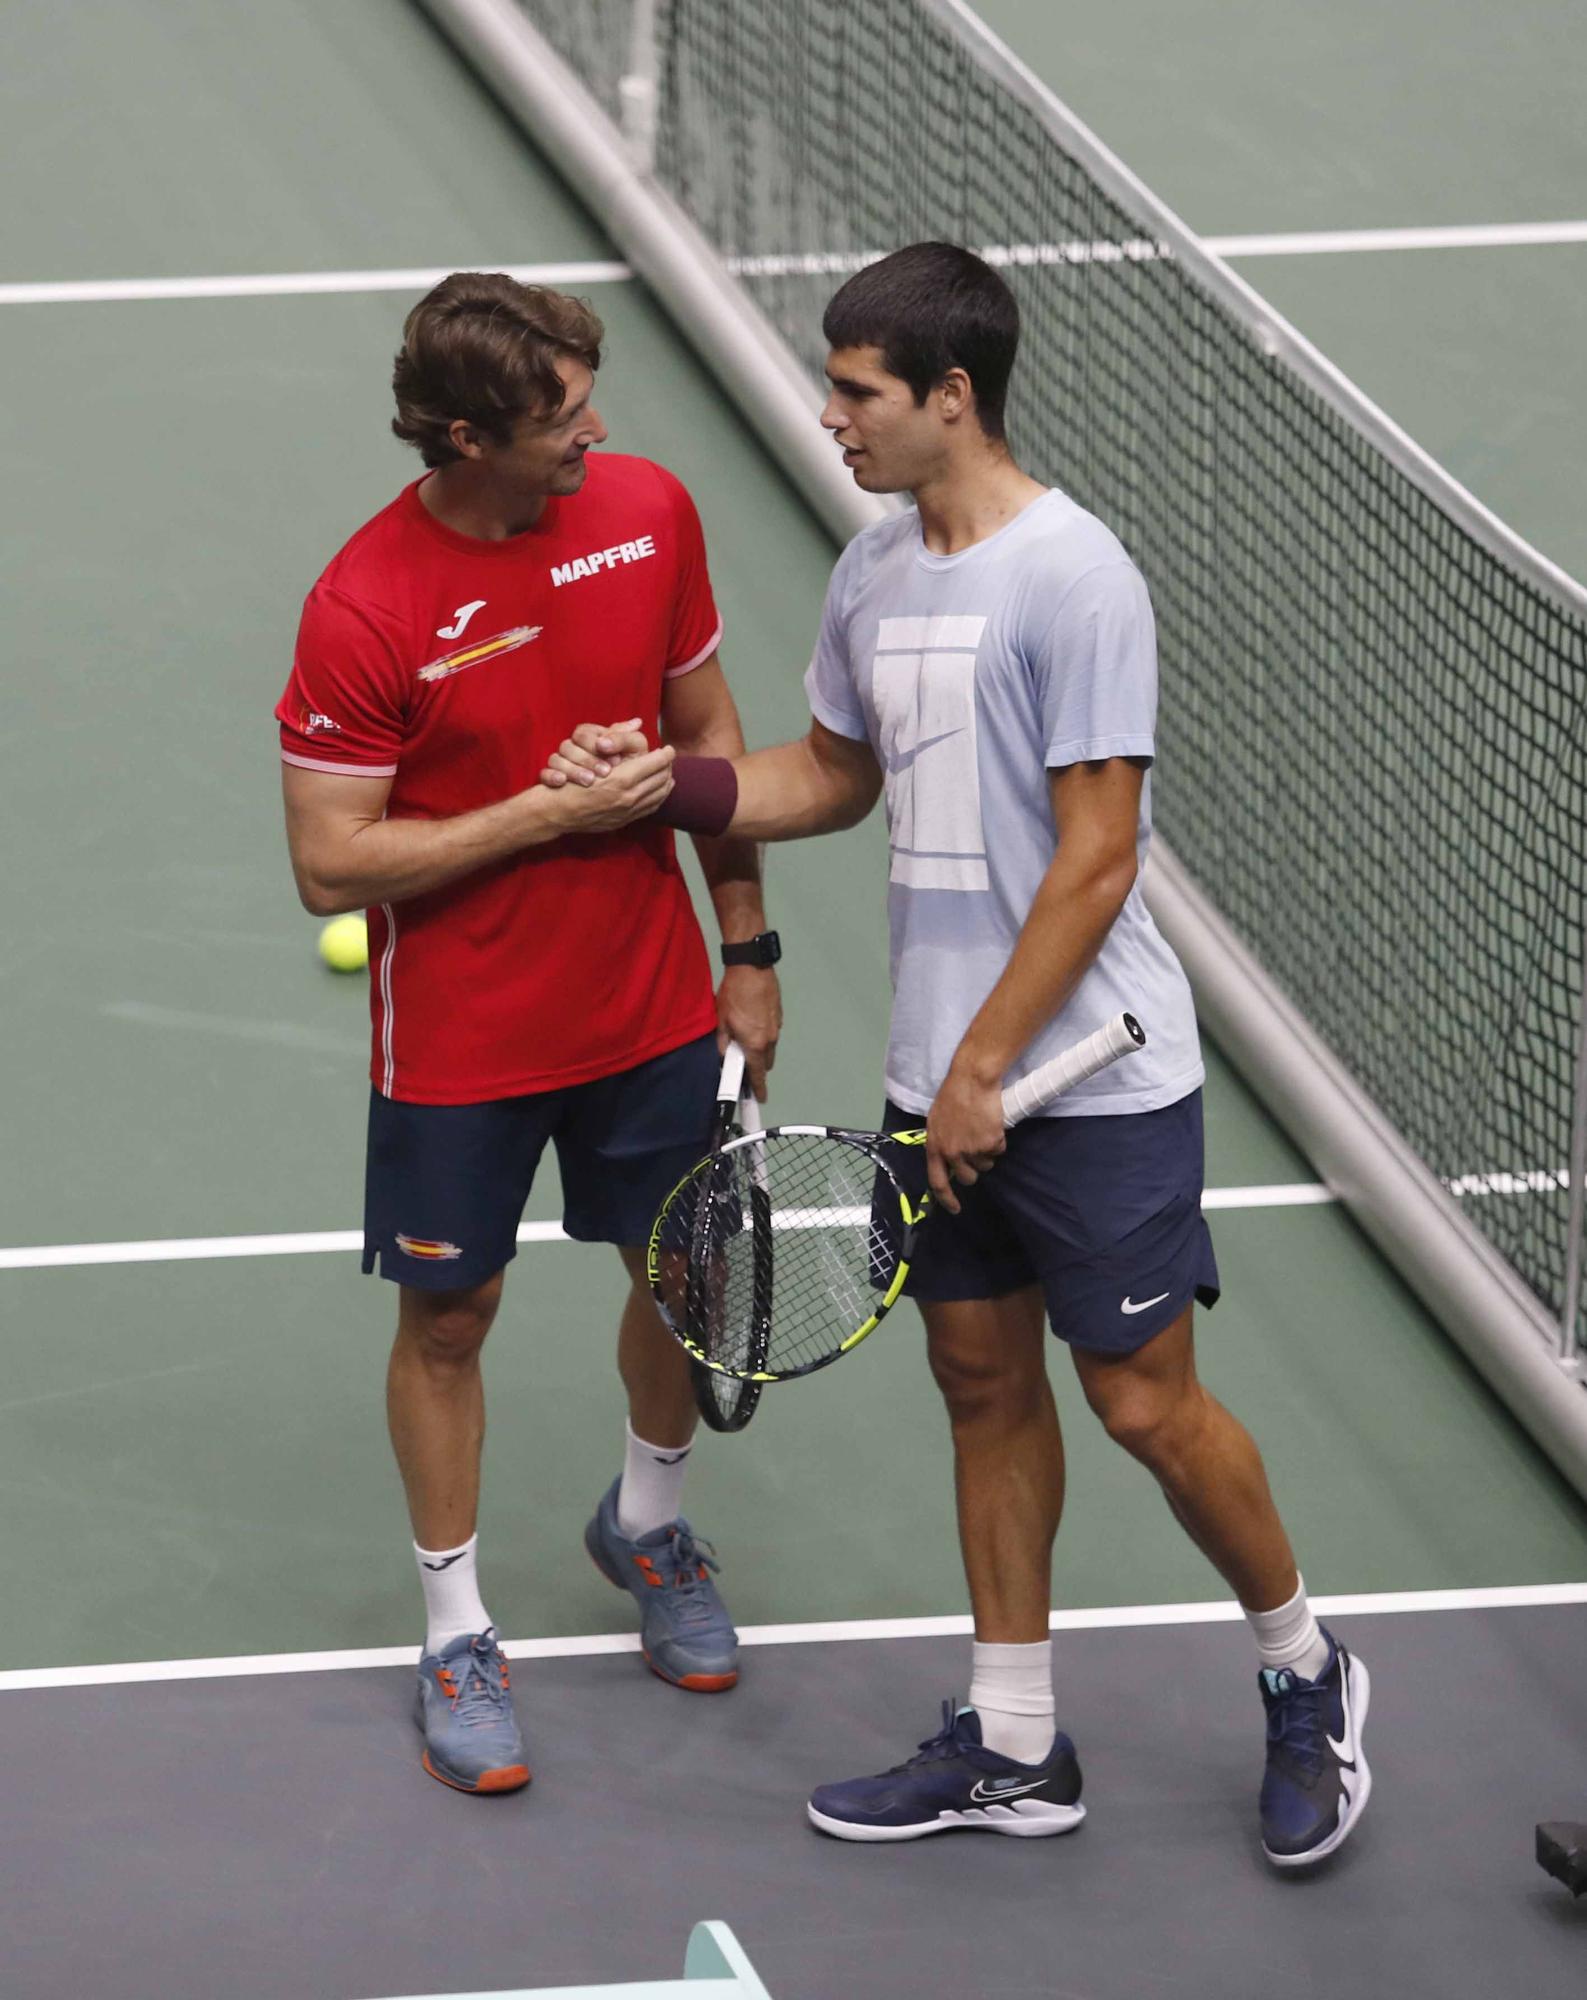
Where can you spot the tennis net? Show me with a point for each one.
(1373, 737)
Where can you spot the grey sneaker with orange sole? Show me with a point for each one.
(464, 1711)
(685, 1633)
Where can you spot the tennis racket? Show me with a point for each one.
(783, 1249)
(734, 1325)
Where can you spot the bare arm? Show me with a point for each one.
(346, 855)
(699, 718)
(1096, 808)
(820, 784)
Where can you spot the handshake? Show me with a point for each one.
(615, 779)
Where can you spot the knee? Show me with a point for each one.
(1146, 1421)
(447, 1329)
(977, 1386)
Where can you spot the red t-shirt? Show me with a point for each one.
(455, 666)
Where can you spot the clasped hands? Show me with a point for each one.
(634, 779)
(595, 751)
(965, 1126)
(615, 758)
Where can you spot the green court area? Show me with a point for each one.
(1250, 115)
(174, 1436)
(1257, 116)
(196, 1453)
(211, 137)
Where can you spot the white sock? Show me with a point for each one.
(1290, 1637)
(451, 1594)
(1011, 1691)
(652, 1485)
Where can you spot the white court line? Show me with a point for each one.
(309, 1243)
(1286, 1194)
(177, 1249)
(289, 284)
(1107, 1618)
(1146, 250)
(191, 1249)
(1456, 236)
(798, 263)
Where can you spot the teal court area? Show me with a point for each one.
(203, 1680)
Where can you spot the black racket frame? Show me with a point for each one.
(727, 1402)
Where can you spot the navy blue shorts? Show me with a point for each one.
(445, 1184)
(1103, 1213)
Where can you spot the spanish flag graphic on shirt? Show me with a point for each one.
(483, 649)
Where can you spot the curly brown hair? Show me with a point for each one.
(483, 347)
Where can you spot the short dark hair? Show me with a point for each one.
(929, 308)
(483, 347)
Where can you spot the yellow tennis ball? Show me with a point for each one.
(344, 943)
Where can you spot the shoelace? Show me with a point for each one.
(1296, 1725)
(693, 1562)
(944, 1744)
(479, 1679)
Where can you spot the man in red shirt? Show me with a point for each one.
(536, 969)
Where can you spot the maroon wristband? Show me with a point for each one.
(703, 798)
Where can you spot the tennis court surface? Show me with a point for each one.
(204, 1701)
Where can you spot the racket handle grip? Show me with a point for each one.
(1121, 1036)
(730, 1088)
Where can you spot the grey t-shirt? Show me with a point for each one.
(972, 676)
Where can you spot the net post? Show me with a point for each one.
(1570, 1314)
(637, 89)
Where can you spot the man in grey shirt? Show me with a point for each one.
(1026, 652)
(989, 657)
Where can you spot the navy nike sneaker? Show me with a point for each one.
(1317, 1783)
(952, 1781)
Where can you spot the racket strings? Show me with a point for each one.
(792, 1239)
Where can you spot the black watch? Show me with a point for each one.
(763, 951)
